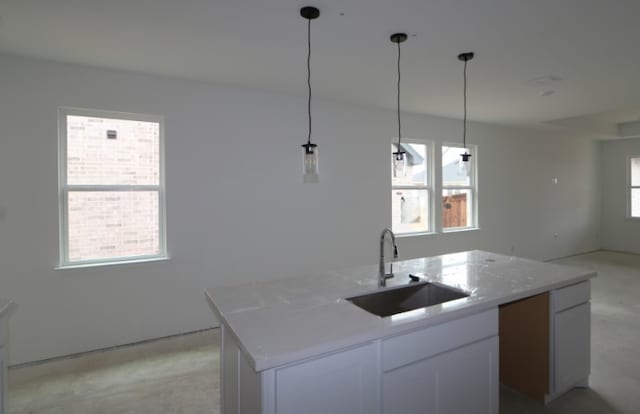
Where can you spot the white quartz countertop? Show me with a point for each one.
(5, 304)
(283, 321)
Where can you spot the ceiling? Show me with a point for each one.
(582, 54)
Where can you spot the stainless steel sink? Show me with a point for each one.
(393, 301)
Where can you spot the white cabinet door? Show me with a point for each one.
(342, 383)
(461, 381)
(572, 346)
(410, 389)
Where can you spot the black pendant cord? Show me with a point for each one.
(309, 13)
(309, 77)
(399, 38)
(465, 57)
(464, 122)
(398, 103)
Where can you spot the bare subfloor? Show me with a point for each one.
(180, 374)
(173, 375)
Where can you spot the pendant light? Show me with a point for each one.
(310, 150)
(398, 155)
(463, 164)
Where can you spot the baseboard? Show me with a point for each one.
(107, 349)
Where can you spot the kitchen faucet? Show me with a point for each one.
(382, 275)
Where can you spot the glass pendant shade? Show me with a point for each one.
(399, 161)
(464, 164)
(310, 163)
(399, 167)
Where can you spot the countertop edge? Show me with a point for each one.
(252, 362)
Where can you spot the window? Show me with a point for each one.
(411, 189)
(634, 187)
(111, 187)
(458, 188)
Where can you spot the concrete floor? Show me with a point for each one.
(180, 374)
(173, 375)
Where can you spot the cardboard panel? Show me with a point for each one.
(524, 346)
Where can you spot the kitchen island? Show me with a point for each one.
(297, 345)
(5, 306)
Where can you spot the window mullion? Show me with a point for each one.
(405, 187)
(112, 188)
(457, 187)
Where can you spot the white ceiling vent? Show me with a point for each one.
(544, 81)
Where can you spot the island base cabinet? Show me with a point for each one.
(4, 340)
(346, 382)
(572, 347)
(240, 385)
(571, 343)
(459, 381)
(342, 383)
(3, 381)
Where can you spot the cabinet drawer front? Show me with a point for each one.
(571, 296)
(414, 346)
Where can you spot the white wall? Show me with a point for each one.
(228, 224)
(618, 233)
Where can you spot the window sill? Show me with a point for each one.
(118, 262)
(632, 218)
(426, 233)
(464, 230)
(434, 233)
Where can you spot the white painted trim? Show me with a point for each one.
(124, 261)
(221, 368)
(64, 188)
(473, 187)
(421, 233)
(429, 187)
(630, 187)
(460, 229)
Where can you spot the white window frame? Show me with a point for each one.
(472, 187)
(630, 187)
(428, 187)
(64, 188)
